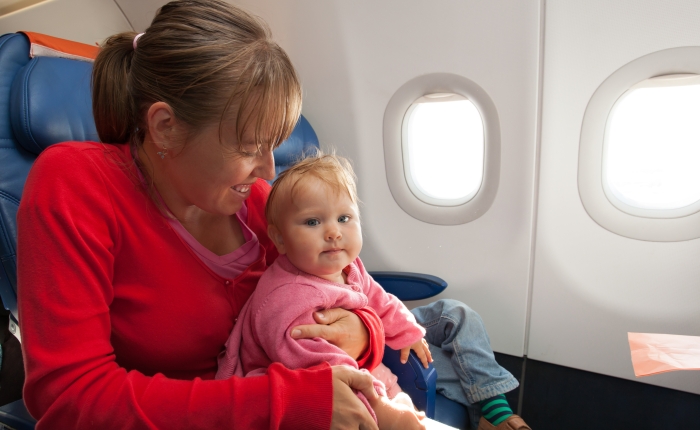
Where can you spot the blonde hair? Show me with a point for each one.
(333, 170)
(206, 59)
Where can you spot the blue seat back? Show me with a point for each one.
(15, 162)
(48, 100)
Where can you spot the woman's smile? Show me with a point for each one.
(242, 190)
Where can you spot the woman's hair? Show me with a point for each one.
(207, 60)
(331, 169)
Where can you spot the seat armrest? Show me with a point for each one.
(410, 286)
(414, 379)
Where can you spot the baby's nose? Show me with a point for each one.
(333, 233)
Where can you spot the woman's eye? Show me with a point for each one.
(312, 222)
(344, 218)
(250, 153)
(250, 150)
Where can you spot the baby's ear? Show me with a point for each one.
(276, 237)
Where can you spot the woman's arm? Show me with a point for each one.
(359, 333)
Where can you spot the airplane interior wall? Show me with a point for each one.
(592, 286)
(87, 21)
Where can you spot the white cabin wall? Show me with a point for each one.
(592, 286)
(87, 21)
(352, 57)
(140, 13)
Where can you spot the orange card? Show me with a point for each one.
(659, 353)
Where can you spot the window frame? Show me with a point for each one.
(396, 111)
(656, 225)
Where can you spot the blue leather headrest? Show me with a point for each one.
(302, 141)
(14, 54)
(50, 102)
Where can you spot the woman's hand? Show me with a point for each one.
(342, 328)
(348, 411)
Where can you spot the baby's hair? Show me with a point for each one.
(331, 169)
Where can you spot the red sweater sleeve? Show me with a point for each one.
(375, 351)
(68, 234)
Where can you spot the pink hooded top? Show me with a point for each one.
(287, 297)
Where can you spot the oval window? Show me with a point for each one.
(651, 157)
(443, 149)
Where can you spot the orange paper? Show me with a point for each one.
(659, 353)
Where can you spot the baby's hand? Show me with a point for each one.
(422, 351)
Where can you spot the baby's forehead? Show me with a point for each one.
(310, 184)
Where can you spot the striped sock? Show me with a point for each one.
(495, 410)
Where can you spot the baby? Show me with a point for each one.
(313, 220)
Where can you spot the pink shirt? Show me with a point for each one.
(286, 297)
(230, 265)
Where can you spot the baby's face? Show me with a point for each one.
(319, 230)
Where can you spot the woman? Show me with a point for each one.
(135, 255)
(139, 255)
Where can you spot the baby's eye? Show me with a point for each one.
(312, 222)
(344, 218)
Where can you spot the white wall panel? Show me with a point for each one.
(592, 286)
(140, 13)
(352, 56)
(87, 21)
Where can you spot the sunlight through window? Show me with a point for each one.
(444, 149)
(652, 145)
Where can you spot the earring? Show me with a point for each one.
(163, 152)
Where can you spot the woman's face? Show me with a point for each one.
(215, 175)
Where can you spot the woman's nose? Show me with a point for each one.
(266, 165)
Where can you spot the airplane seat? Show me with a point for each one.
(302, 141)
(46, 100)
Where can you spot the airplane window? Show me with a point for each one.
(443, 149)
(652, 145)
(639, 149)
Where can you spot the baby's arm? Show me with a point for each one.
(400, 327)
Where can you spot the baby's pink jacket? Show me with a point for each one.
(287, 297)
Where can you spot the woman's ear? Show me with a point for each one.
(161, 121)
(276, 237)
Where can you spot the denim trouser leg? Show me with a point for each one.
(466, 367)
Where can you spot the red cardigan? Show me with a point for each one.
(122, 324)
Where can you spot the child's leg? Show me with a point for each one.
(467, 369)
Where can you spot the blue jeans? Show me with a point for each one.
(466, 367)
